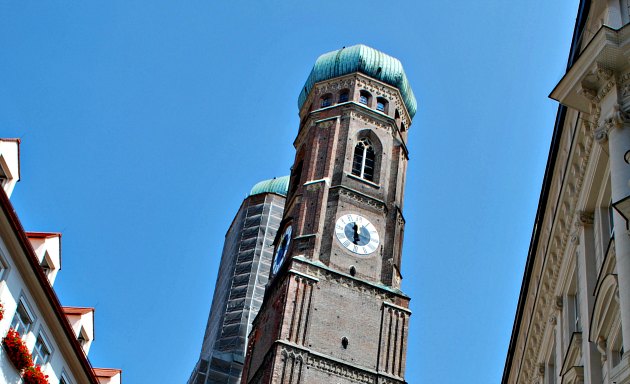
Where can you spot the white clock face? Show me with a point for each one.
(357, 234)
(283, 247)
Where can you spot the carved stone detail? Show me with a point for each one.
(584, 218)
(601, 347)
(326, 124)
(382, 90)
(334, 85)
(349, 282)
(363, 199)
(618, 117)
(367, 119)
(597, 83)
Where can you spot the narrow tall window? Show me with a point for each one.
(381, 104)
(45, 266)
(64, 379)
(296, 176)
(344, 96)
(326, 100)
(364, 97)
(23, 319)
(550, 369)
(364, 159)
(41, 351)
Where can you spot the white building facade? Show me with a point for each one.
(573, 318)
(57, 338)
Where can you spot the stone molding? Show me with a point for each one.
(557, 231)
(584, 218)
(383, 123)
(361, 198)
(383, 90)
(334, 366)
(321, 271)
(616, 119)
(357, 79)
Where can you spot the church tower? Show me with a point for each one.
(333, 311)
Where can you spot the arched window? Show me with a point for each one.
(296, 175)
(364, 159)
(381, 104)
(344, 96)
(326, 100)
(364, 97)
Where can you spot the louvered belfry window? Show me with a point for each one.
(364, 158)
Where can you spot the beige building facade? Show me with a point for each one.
(572, 322)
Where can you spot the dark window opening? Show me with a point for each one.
(45, 266)
(344, 96)
(296, 176)
(364, 97)
(344, 343)
(381, 105)
(326, 101)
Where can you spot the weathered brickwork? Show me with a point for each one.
(332, 314)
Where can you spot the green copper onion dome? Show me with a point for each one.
(360, 58)
(279, 185)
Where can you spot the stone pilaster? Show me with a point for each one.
(616, 127)
(587, 279)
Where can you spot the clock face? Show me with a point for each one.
(283, 247)
(357, 234)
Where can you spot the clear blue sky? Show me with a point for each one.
(144, 124)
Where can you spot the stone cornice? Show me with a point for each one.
(335, 366)
(319, 270)
(559, 224)
(581, 84)
(357, 79)
(362, 198)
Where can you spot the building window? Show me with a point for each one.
(364, 97)
(550, 366)
(23, 319)
(381, 104)
(45, 266)
(42, 350)
(82, 338)
(4, 268)
(616, 348)
(344, 96)
(364, 159)
(296, 176)
(326, 101)
(64, 379)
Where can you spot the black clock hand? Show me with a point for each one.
(356, 239)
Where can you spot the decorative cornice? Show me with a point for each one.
(335, 366)
(558, 229)
(368, 118)
(616, 119)
(362, 198)
(321, 271)
(393, 94)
